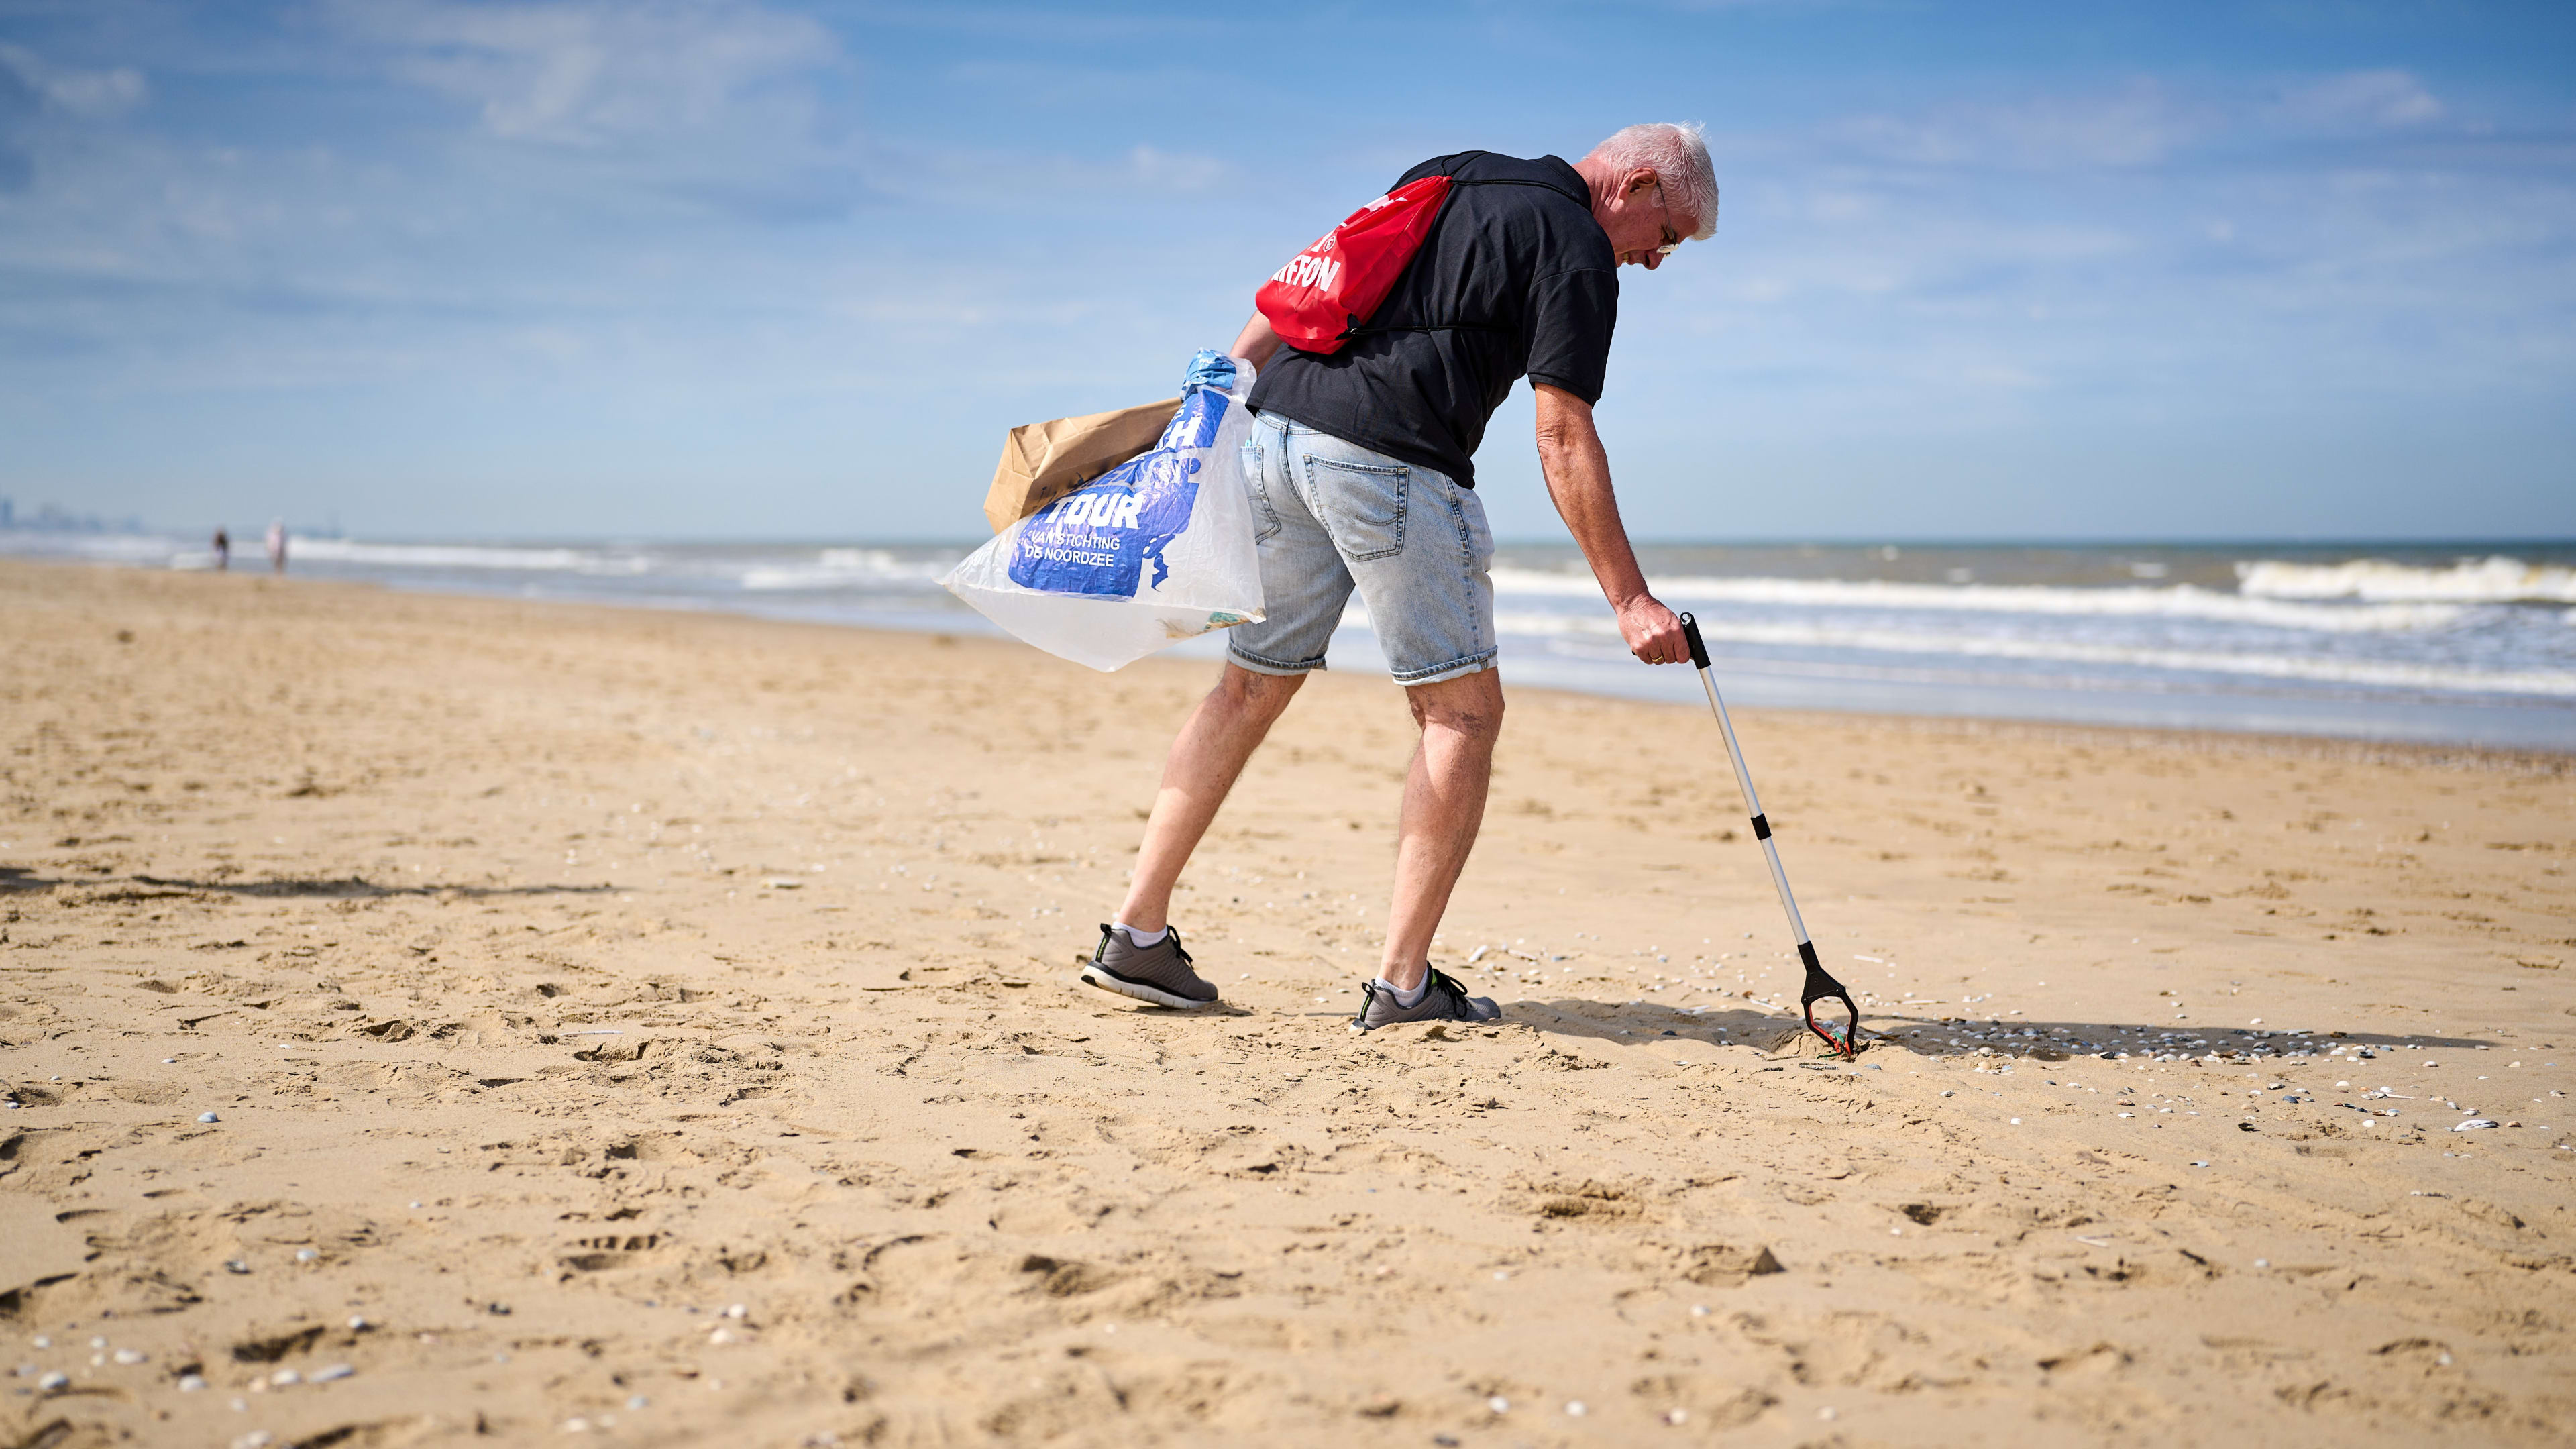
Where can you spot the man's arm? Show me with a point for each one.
(1578, 478)
(1258, 344)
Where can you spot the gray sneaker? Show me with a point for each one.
(1446, 1000)
(1159, 973)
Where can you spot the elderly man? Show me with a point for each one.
(1363, 477)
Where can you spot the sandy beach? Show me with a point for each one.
(428, 1018)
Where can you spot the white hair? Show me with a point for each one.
(1678, 155)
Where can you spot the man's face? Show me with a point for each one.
(1640, 223)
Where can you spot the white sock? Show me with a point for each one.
(1403, 998)
(1144, 938)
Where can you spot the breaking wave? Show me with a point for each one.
(2495, 580)
(2180, 601)
(2383, 674)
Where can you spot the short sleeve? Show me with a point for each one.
(1571, 317)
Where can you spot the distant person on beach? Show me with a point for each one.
(1363, 477)
(223, 549)
(277, 545)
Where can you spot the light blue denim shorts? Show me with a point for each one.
(1330, 516)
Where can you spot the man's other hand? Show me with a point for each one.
(1654, 633)
(1208, 369)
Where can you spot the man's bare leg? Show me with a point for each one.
(1207, 755)
(1444, 805)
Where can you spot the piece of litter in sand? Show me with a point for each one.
(2200, 1164)
(604, 1031)
(1477, 955)
(208, 1117)
(236, 1265)
(2472, 1124)
(333, 1371)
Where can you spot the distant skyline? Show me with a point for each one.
(720, 269)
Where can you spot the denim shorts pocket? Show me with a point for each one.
(1361, 504)
(1265, 519)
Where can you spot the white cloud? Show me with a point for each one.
(2361, 100)
(2139, 125)
(91, 95)
(587, 74)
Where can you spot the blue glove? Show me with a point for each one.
(1208, 369)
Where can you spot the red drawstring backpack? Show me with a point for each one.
(1327, 293)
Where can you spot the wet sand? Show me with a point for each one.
(663, 1028)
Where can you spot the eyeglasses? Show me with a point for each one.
(1672, 238)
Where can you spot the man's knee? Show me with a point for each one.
(1253, 694)
(1469, 706)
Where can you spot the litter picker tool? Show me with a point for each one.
(1820, 985)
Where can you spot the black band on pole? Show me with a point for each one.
(1761, 827)
(1699, 651)
(1807, 953)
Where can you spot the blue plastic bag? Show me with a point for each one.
(1157, 550)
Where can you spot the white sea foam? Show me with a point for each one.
(842, 567)
(2495, 580)
(2386, 674)
(2180, 601)
(455, 556)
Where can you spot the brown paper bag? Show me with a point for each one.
(1042, 462)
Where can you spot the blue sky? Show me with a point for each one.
(715, 268)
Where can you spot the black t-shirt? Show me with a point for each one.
(1525, 266)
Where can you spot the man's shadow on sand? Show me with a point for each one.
(1783, 1035)
(109, 889)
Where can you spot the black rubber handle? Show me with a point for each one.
(1699, 651)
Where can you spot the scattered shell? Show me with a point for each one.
(1575, 1408)
(129, 1356)
(1497, 1403)
(1677, 1416)
(2472, 1124)
(284, 1377)
(358, 1324)
(190, 1383)
(236, 1265)
(576, 1426)
(208, 1117)
(306, 1255)
(335, 1371)
(736, 1311)
(55, 1380)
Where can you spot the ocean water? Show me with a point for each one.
(2438, 643)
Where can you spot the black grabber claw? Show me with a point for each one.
(1820, 985)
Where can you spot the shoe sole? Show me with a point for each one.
(1107, 980)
